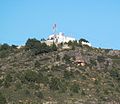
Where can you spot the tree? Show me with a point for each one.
(45, 48)
(75, 43)
(70, 43)
(42, 39)
(83, 40)
(37, 47)
(14, 46)
(32, 44)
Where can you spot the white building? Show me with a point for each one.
(59, 38)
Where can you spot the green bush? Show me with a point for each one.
(68, 74)
(93, 62)
(42, 78)
(18, 85)
(100, 58)
(37, 63)
(7, 80)
(73, 44)
(75, 88)
(66, 58)
(5, 50)
(4, 53)
(53, 47)
(115, 73)
(5, 47)
(58, 58)
(55, 84)
(27, 92)
(63, 86)
(70, 43)
(39, 94)
(31, 76)
(1, 81)
(2, 99)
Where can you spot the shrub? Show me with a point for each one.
(27, 92)
(68, 74)
(73, 47)
(14, 46)
(4, 47)
(83, 93)
(75, 88)
(2, 99)
(115, 73)
(18, 85)
(42, 78)
(70, 43)
(37, 63)
(58, 58)
(1, 81)
(75, 43)
(4, 50)
(100, 58)
(4, 54)
(53, 47)
(39, 94)
(55, 84)
(67, 59)
(7, 80)
(31, 76)
(93, 62)
(63, 86)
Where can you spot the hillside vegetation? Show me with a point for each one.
(40, 74)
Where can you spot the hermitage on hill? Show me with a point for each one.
(60, 37)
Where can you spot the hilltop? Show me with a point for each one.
(41, 74)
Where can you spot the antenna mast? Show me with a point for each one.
(54, 28)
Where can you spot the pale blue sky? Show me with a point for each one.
(95, 20)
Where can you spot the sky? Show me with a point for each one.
(98, 21)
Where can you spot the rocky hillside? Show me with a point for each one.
(41, 74)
